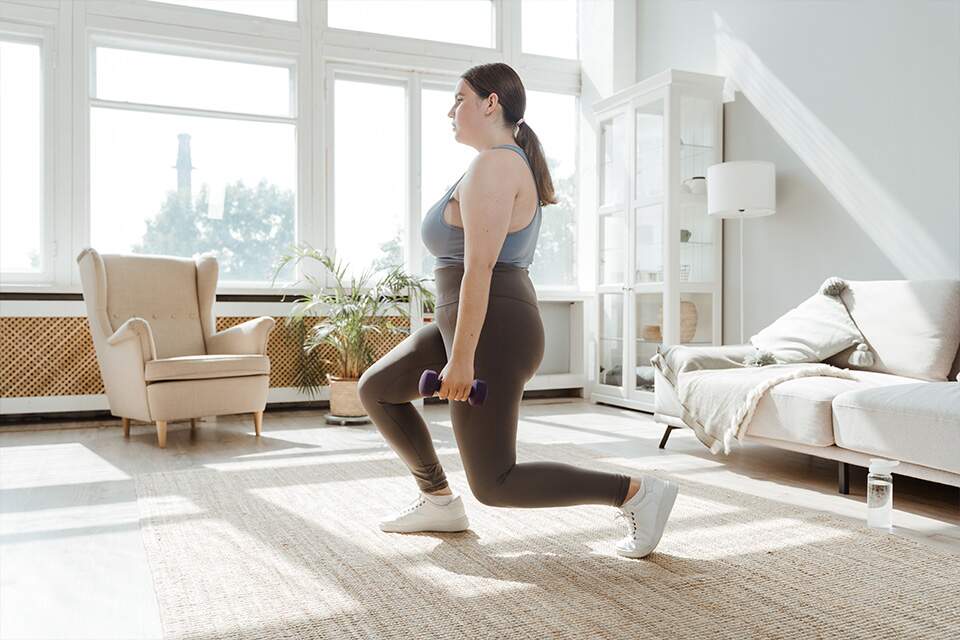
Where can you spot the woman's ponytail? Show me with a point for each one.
(501, 79)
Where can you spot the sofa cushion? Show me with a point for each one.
(801, 410)
(812, 332)
(202, 367)
(918, 423)
(911, 325)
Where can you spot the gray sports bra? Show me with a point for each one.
(445, 241)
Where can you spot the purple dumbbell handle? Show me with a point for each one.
(430, 384)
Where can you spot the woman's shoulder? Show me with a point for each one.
(495, 168)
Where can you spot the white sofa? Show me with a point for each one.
(905, 407)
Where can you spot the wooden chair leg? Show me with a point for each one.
(162, 433)
(258, 421)
(193, 423)
(126, 427)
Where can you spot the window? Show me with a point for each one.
(549, 27)
(553, 117)
(189, 155)
(462, 22)
(190, 126)
(276, 9)
(177, 81)
(21, 162)
(370, 174)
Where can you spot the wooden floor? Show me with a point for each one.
(72, 563)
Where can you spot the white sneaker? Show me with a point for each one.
(424, 515)
(646, 514)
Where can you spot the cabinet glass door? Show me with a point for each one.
(648, 234)
(610, 354)
(648, 167)
(699, 142)
(613, 163)
(613, 248)
(696, 318)
(649, 336)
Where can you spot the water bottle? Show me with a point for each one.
(880, 493)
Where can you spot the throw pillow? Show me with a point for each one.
(812, 332)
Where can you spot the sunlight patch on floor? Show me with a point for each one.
(54, 465)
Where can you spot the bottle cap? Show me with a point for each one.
(879, 465)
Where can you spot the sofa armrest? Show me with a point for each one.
(246, 338)
(673, 361)
(140, 329)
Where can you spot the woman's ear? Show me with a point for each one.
(492, 101)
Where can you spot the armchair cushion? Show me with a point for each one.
(246, 338)
(161, 290)
(205, 367)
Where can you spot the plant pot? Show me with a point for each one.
(344, 399)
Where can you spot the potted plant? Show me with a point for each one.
(344, 317)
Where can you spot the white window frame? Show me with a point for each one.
(42, 34)
(72, 29)
(154, 46)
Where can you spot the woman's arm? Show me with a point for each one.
(486, 202)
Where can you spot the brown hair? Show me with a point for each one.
(501, 79)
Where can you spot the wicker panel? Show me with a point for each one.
(55, 356)
(47, 357)
(282, 347)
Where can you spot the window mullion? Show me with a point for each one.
(414, 252)
(81, 66)
(508, 19)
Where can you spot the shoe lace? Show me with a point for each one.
(631, 521)
(414, 505)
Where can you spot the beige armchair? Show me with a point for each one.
(160, 355)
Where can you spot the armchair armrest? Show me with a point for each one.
(673, 361)
(136, 328)
(246, 338)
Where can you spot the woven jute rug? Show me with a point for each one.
(286, 546)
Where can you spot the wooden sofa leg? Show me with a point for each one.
(843, 478)
(258, 421)
(666, 435)
(162, 433)
(126, 427)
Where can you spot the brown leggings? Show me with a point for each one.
(508, 353)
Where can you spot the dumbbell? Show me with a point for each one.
(430, 384)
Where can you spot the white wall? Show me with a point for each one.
(858, 104)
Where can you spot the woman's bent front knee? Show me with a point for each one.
(370, 387)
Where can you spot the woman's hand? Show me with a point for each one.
(456, 379)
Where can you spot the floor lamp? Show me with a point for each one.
(745, 189)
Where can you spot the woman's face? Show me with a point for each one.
(468, 113)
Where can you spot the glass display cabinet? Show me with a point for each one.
(659, 279)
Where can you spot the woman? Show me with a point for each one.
(483, 232)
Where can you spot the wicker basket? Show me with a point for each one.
(344, 399)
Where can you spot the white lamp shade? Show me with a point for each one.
(741, 189)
